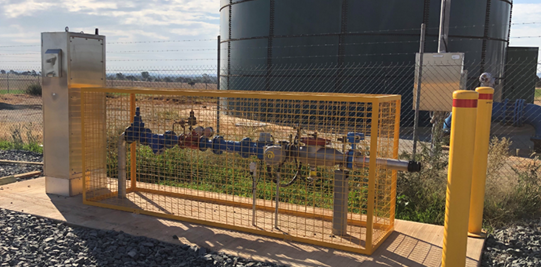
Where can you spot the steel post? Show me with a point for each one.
(340, 202)
(121, 166)
(418, 90)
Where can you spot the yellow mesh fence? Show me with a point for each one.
(296, 166)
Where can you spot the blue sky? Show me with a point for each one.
(160, 23)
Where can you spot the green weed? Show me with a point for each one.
(22, 138)
(421, 196)
(33, 89)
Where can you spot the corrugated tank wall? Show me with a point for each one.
(352, 46)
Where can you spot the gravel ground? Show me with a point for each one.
(17, 155)
(514, 246)
(27, 240)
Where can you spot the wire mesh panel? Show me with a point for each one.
(315, 168)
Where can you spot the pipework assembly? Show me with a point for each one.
(311, 151)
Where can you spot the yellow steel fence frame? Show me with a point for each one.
(377, 122)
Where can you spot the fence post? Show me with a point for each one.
(455, 235)
(480, 159)
(8, 81)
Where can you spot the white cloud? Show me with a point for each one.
(522, 15)
(25, 8)
(526, 13)
(196, 28)
(84, 5)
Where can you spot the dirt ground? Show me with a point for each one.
(20, 111)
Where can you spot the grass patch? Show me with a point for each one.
(8, 145)
(12, 92)
(22, 138)
(228, 174)
(513, 191)
(421, 196)
(514, 197)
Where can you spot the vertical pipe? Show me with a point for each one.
(443, 40)
(480, 160)
(418, 90)
(253, 170)
(121, 166)
(8, 81)
(374, 126)
(218, 87)
(133, 146)
(340, 203)
(277, 199)
(455, 237)
(445, 16)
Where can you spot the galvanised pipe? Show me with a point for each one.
(121, 145)
(325, 156)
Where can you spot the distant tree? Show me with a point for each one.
(190, 81)
(158, 79)
(12, 72)
(206, 79)
(538, 84)
(180, 79)
(120, 76)
(34, 73)
(131, 78)
(168, 79)
(145, 75)
(3, 71)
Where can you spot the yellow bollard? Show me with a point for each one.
(480, 158)
(455, 235)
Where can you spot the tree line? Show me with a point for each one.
(146, 76)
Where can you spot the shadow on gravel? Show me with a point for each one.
(398, 248)
(17, 107)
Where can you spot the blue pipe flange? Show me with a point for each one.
(355, 138)
(217, 141)
(245, 145)
(170, 139)
(133, 132)
(521, 115)
(260, 148)
(204, 143)
(157, 143)
(145, 136)
(503, 116)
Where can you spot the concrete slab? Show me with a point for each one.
(412, 244)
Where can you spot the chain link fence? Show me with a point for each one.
(21, 116)
(516, 127)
